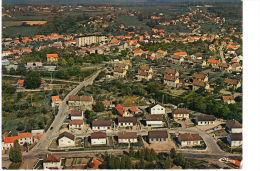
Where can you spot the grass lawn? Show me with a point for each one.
(22, 30)
(79, 142)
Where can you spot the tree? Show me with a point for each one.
(32, 80)
(172, 153)
(168, 163)
(90, 116)
(15, 154)
(99, 107)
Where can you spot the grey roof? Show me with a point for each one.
(236, 136)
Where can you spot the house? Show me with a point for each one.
(188, 139)
(33, 65)
(205, 119)
(25, 137)
(171, 81)
(145, 72)
(172, 72)
(225, 66)
(134, 110)
(76, 115)
(157, 108)
(161, 52)
(66, 139)
(121, 110)
(200, 77)
(232, 83)
(214, 63)
(126, 121)
(200, 84)
(228, 99)
(144, 75)
(119, 72)
(20, 83)
(180, 113)
(101, 125)
(176, 59)
(76, 124)
(52, 162)
(55, 101)
(181, 54)
(154, 120)
(233, 126)
(157, 136)
(8, 142)
(52, 57)
(234, 139)
(127, 137)
(98, 138)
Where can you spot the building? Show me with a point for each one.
(232, 83)
(20, 84)
(200, 84)
(8, 142)
(233, 126)
(76, 124)
(98, 138)
(188, 139)
(200, 77)
(25, 137)
(157, 136)
(52, 162)
(180, 113)
(171, 81)
(205, 119)
(126, 121)
(228, 99)
(66, 139)
(52, 58)
(121, 110)
(89, 39)
(119, 72)
(154, 120)
(145, 72)
(157, 108)
(172, 72)
(127, 137)
(76, 115)
(101, 125)
(234, 139)
(55, 101)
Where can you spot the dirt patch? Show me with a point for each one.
(161, 146)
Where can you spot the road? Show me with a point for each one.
(53, 79)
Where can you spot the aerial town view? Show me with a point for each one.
(137, 84)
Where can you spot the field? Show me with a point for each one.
(15, 31)
(131, 21)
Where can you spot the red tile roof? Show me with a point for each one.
(55, 98)
(52, 55)
(180, 53)
(10, 139)
(120, 109)
(20, 82)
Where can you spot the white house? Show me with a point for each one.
(205, 119)
(76, 124)
(8, 142)
(66, 139)
(171, 81)
(154, 120)
(233, 126)
(157, 108)
(101, 125)
(25, 137)
(158, 136)
(188, 139)
(126, 121)
(76, 115)
(98, 138)
(235, 139)
(127, 137)
(52, 162)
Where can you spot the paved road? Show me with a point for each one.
(42, 145)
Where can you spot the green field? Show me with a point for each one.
(20, 30)
(131, 21)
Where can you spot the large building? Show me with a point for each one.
(89, 39)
